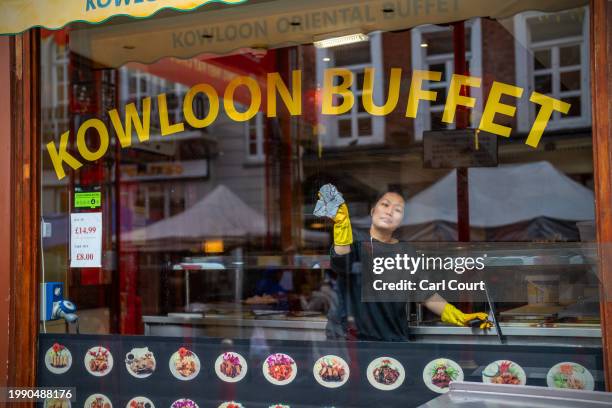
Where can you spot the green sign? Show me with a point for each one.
(88, 200)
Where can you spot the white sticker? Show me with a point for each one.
(86, 240)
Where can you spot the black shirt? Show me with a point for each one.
(377, 321)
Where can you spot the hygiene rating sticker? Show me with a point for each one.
(88, 199)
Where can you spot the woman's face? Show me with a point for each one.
(388, 212)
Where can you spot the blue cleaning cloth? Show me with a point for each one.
(329, 201)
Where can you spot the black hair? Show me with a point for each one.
(391, 189)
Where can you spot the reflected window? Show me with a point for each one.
(552, 59)
(432, 50)
(356, 126)
(254, 137)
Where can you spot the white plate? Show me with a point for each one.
(268, 377)
(492, 368)
(89, 357)
(175, 373)
(579, 372)
(377, 362)
(232, 404)
(178, 401)
(58, 370)
(93, 397)
(138, 353)
(226, 378)
(429, 368)
(331, 384)
(47, 401)
(143, 400)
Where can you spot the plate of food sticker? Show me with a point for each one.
(385, 373)
(279, 369)
(140, 402)
(58, 359)
(98, 361)
(504, 372)
(331, 371)
(438, 374)
(231, 367)
(570, 375)
(184, 364)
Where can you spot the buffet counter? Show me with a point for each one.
(244, 326)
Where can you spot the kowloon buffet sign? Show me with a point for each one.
(336, 99)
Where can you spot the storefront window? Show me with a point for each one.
(189, 175)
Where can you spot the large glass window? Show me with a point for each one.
(206, 142)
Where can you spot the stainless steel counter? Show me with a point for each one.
(234, 327)
(313, 328)
(580, 336)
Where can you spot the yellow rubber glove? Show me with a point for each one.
(343, 234)
(452, 315)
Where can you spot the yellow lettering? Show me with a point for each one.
(228, 99)
(368, 92)
(61, 156)
(342, 89)
(455, 98)
(548, 106)
(213, 104)
(164, 118)
(293, 102)
(495, 106)
(82, 144)
(417, 93)
(131, 117)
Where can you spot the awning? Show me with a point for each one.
(19, 15)
(262, 25)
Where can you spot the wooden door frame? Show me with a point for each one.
(601, 90)
(20, 202)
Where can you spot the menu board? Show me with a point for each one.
(204, 372)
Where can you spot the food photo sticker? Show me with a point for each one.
(140, 362)
(57, 403)
(58, 359)
(184, 364)
(570, 375)
(385, 373)
(438, 374)
(184, 403)
(504, 372)
(331, 371)
(231, 367)
(279, 369)
(140, 402)
(231, 404)
(98, 401)
(98, 361)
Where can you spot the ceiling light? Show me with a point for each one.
(424, 45)
(341, 40)
(326, 59)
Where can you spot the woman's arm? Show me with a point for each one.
(436, 304)
(342, 249)
(450, 314)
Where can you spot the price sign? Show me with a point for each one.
(86, 240)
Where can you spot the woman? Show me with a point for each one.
(377, 320)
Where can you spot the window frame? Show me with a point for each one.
(257, 123)
(330, 135)
(525, 73)
(421, 61)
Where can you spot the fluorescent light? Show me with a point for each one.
(326, 59)
(342, 40)
(424, 45)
